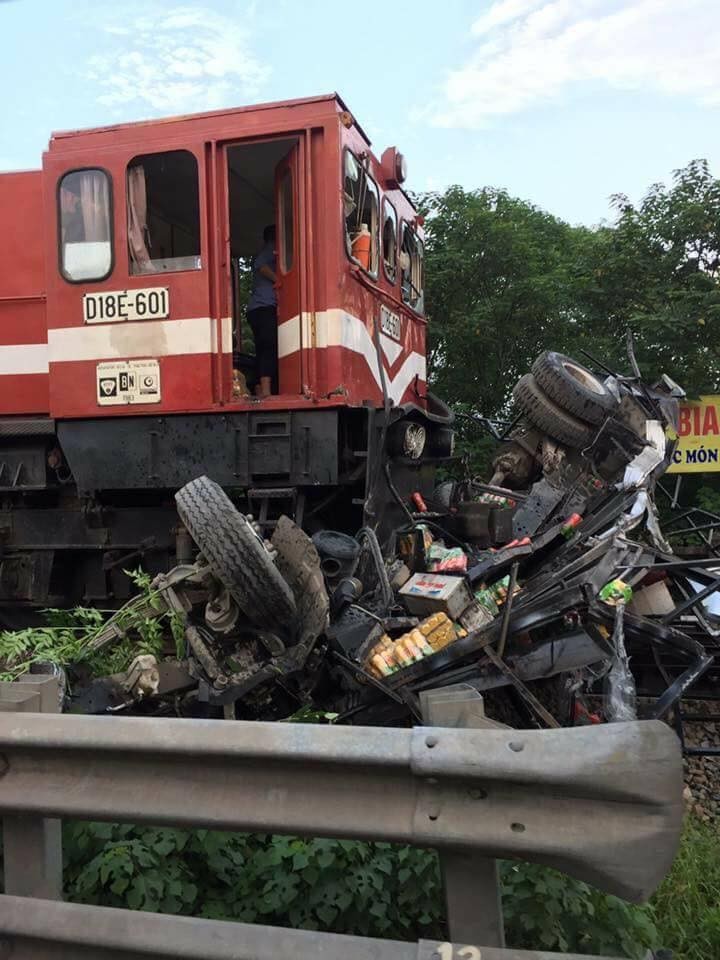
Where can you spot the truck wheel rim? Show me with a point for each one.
(584, 377)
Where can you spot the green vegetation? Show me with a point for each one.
(375, 889)
(686, 908)
(342, 886)
(506, 280)
(68, 635)
(547, 910)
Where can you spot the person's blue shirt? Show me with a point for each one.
(263, 289)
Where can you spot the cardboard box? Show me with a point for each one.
(654, 600)
(427, 593)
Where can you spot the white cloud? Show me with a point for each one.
(533, 51)
(504, 11)
(177, 61)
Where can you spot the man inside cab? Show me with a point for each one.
(262, 316)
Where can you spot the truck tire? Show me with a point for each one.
(573, 387)
(236, 555)
(545, 414)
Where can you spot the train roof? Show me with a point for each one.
(309, 106)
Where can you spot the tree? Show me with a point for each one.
(506, 280)
(656, 272)
(502, 279)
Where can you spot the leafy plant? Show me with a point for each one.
(129, 868)
(506, 280)
(372, 889)
(67, 636)
(544, 908)
(708, 498)
(375, 889)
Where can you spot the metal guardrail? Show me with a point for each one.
(551, 796)
(43, 930)
(602, 804)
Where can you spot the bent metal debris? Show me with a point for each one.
(549, 586)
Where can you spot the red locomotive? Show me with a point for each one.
(124, 356)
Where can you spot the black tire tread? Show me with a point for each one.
(299, 563)
(568, 393)
(545, 414)
(235, 554)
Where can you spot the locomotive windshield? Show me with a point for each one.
(85, 225)
(360, 200)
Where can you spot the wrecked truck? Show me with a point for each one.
(538, 586)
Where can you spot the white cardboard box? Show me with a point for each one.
(427, 593)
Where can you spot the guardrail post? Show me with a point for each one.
(32, 846)
(472, 886)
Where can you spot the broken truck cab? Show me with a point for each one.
(125, 360)
(539, 594)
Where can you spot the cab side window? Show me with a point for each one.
(389, 241)
(163, 212)
(411, 268)
(85, 218)
(361, 209)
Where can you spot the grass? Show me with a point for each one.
(686, 908)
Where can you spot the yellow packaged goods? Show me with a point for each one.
(381, 661)
(378, 667)
(429, 624)
(433, 634)
(439, 631)
(420, 641)
(388, 656)
(405, 652)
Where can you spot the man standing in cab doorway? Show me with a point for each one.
(262, 316)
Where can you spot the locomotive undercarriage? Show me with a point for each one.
(83, 501)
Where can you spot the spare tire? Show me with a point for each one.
(236, 555)
(573, 387)
(545, 414)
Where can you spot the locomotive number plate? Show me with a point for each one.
(151, 303)
(389, 323)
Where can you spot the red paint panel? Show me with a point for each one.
(22, 293)
(24, 394)
(288, 368)
(249, 121)
(289, 284)
(22, 321)
(360, 384)
(184, 383)
(22, 273)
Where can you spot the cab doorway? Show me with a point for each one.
(262, 193)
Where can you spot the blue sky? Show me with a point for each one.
(563, 102)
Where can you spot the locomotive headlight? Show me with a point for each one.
(413, 441)
(442, 442)
(400, 168)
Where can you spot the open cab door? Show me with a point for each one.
(289, 271)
